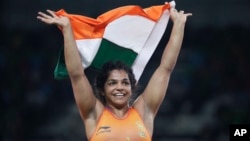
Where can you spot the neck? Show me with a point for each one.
(118, 112)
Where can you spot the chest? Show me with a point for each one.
(112, 129)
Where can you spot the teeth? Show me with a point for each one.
(119, 94)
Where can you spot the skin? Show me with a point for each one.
(147, 103)
(117, 90)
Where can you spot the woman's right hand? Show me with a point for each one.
(52, 18)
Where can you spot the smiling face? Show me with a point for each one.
(109, 71)
(117, 89)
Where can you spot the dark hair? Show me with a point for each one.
(104, 74)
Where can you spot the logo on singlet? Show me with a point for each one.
(141, 129)
(103, 129)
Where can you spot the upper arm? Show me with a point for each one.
(85, 99)
(89, 107)
(150, 100)
(154, 93)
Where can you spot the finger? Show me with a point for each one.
(39, 17)
(40, 13)
(52, 13)
(42, 19)
(188, 14)
(43, 15)
(181, 11)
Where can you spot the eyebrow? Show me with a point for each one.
(126, 79)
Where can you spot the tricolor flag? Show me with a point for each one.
(129, 34)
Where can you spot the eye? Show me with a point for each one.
(126, 83)
(111, 83)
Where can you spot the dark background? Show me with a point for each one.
(209, 88)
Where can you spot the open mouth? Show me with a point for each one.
(119, 95)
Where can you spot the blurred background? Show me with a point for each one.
(208, 91)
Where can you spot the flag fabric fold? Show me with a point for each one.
(129, 34)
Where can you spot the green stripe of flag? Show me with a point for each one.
(109, 51)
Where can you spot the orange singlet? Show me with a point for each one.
(110, 128)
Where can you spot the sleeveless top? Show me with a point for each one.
(110, 128)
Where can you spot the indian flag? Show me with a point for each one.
(129, 34)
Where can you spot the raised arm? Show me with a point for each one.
(155, 91)
(83, 93)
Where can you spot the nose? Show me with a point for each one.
(119, 86)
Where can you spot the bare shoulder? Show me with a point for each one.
(91, 121)
(146, 114)
(142, 107)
